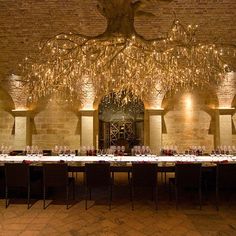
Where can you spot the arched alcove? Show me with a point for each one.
(121, 121)
(189, 119)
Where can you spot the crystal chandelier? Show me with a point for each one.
(124, 64)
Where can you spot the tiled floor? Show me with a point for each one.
(121, 220)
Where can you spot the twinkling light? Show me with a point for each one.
(124, 64)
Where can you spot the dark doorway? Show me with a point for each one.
(121, 121)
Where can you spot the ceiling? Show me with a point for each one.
(23, 23)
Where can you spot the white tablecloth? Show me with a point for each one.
(179, 158)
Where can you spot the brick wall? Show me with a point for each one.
(25, 22)
(6, 128)
(187, 124)
(234, 130)
(55, 125)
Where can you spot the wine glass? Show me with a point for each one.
(72, 153)
(28, 150)
(123, 150)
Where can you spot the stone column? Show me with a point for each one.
(225, 126)
(226, 92)
(23, 133)
(88, 116)
(153, 120)
(18, 91)
(87, 128)
(153, 129)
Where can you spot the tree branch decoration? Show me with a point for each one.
(122, 61)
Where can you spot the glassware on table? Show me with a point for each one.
(148, 150)
(123, 149)
(61, 151)
(72, 153)
(55, 150)
(28, 150)
(40, 153)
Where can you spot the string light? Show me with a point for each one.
(124, 65)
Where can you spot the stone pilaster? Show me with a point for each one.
(153, 129)
(23, 132)
(225, 126)
(226, 93)
(87, 128)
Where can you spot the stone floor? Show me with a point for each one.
(121, 220)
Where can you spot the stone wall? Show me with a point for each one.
(23, 23)
(186, 124)
(6, 128)
(234, 130)
(56, 125)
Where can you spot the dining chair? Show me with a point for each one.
(187, 176)
(144, 175)
(2, 181)
(225, 179)
(97, 175)
(17, 175)
(56, 175)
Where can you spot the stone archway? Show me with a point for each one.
(120, 124)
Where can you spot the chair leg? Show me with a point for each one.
(156, 197)
(170, 194)
(132, 196)
(130, 192)
(165, 178)
(176, 198)
(44, 197)
(217, 198)
(86, 198)
(200, 198)
(73, 190)
(28, 197)
(110, 197)
(6, 196)
(67, 196)
(152, 194)
(90, 194)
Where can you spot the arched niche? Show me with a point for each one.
(189, 119)
(121, 122)
(6, 118)
(55, 123)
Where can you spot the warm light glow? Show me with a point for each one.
(20, 109)
(188, 102)
(123, 64)
(87, 107)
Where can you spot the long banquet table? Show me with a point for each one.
(119, 159)
(122, 163)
